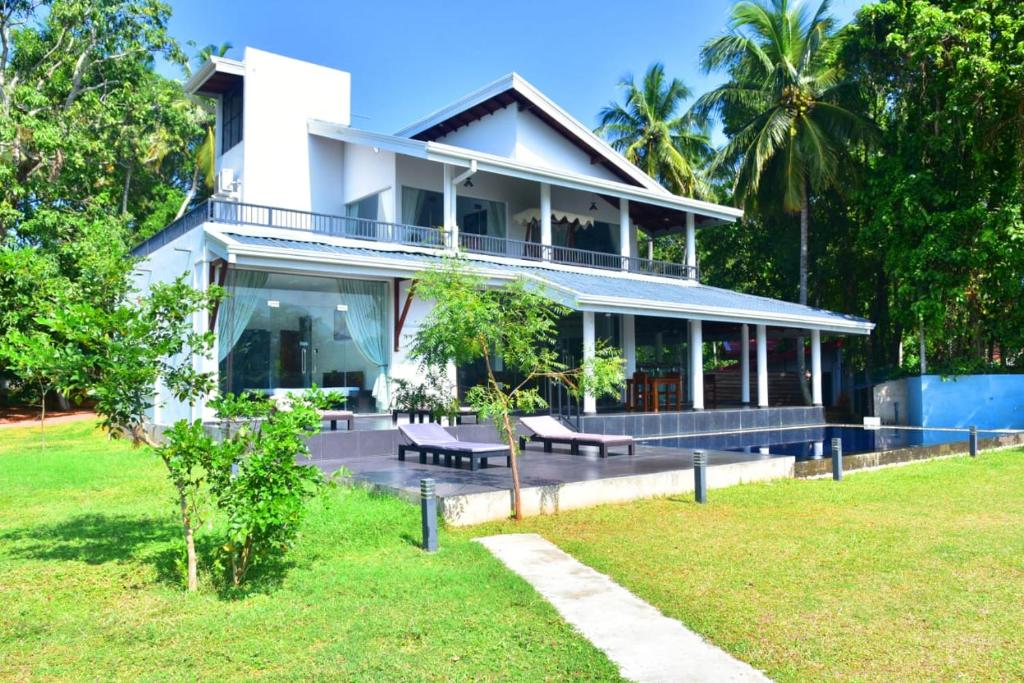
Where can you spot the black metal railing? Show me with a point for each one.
(234, 213)
(193, 219)
(534, 251)
(237, 213)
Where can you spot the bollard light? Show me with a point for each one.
(974, 441)
(700, 476)
(837, 459)
(428, 510)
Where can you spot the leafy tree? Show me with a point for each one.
(789, 133)
(91, 153)
(652, 132)
(255, 478)
(119, 357)
(471, 321)
(942, 206)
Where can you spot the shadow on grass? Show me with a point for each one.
(97, 539)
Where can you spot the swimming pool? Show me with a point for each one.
(811, 443)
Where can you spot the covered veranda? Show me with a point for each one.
(665, 330)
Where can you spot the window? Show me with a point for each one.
(368, 207)
(278, 332)
(231, 118)
(473, 216)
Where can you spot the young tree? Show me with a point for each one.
(254, 476)
(119, 357)
(471, 321)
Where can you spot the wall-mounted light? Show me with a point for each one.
(593, 205)
(468, 183)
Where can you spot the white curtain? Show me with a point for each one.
(244, 289)
(367, 323)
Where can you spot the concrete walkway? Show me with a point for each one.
(645, 644)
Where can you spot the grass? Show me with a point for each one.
(910, 573)
(90, 587)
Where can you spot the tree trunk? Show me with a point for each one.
(510, 435)
(127, 187)
(190, 195)
(801, 356)
(42, 415)
(190, 545)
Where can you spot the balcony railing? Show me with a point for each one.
(236, 213)
(534, 251)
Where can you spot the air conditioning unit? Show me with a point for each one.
(225, 185)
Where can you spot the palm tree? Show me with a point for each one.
(648, 129)
(205, 153)
(789, 132)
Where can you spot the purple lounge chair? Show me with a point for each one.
(548, 430)
(434, 439)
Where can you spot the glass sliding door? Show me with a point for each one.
(279, 332)
(473, 216)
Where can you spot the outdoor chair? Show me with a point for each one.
(548, 431)
(283, 402)
(433, 439)
(336, 416)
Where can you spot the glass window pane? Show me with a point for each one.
(279, 331)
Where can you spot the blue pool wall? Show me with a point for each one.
(985, 401)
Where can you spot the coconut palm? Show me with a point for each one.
(649, 129)
(205, 155)
(789, 133)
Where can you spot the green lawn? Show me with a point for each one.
(910, 573)
(89, 587)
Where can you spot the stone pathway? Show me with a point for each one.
(645, 644)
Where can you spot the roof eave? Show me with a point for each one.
(460, 156)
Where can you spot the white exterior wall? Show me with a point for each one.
(892, 402)
(365, 172)
(522, 136)
(283, 165)
(539, 144)
(493, 134)
(188, 254)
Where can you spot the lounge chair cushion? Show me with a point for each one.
(548, 427)
(429, 433)
(335, 414)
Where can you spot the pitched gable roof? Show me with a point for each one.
(514, 89)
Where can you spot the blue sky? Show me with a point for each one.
(408, 59)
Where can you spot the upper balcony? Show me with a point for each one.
(431, 238)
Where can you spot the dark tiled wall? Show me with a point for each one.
(701, 422)
(328, 445)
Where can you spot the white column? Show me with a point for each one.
(697, 364)
(545, 219)
(629, 343)
(745, 364)
(589, 349)
(762, 366)
(449, 208)
(816, 367)
(625, 248)
(650, 248)
(691, 242)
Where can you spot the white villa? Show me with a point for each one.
(317, 229)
